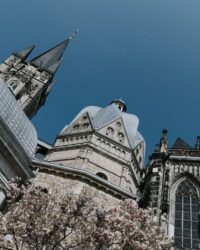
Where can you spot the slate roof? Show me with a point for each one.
(181, 144)
(16, 121)
(23, 54)
(50, 59)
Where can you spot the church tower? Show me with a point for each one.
(104, 143)
(30, 81)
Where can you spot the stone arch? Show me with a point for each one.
(177, 182)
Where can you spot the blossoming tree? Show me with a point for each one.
(36, 219)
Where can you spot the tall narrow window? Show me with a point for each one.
(186, 216)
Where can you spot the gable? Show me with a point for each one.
(116, 131)
(81, 125)
(181, 144)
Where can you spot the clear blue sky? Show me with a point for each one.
(146, 51)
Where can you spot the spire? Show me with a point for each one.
(23, 54)
(197, 146)
(163, 141)
(54, 67)
(50, 59)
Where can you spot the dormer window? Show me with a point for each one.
(118, 124)
(110, 131)
(85, 125)
(120, 137)
(76, 127)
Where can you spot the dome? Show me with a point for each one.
(13, 117)
(100, 117)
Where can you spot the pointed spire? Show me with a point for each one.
(23, 54)
(197, 146)
(54, 67)
(163, 141)
(50, 59)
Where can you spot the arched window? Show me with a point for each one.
(102, 175)
(110, 131)
(186, 216)
(120, 137)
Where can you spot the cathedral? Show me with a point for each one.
(101, 148)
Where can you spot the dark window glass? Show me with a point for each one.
(186, 233)
(186, 207)
(178, 215)
(186, 200)
(195, 244)
(178, 223)
(186, 243)
(186, 216)
(178, 232)
(178, 241)
(195, 234)
(179, 199)
(178, 207)
(194, 209)
(195, 216)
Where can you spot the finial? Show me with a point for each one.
(163, 141)
(165, 131)
(73, 34)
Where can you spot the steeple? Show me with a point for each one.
(51, 59)
(23, 54)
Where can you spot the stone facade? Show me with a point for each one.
(101, 148)
(30, 81)
(172, 189)
(56, 183)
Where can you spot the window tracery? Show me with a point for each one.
(186, 216)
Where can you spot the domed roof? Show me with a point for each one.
(102, 116)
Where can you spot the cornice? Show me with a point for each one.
(84, 176)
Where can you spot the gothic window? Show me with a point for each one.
(14, 84)
(186, 216)
(102, 175)
(110, 131)
(120, 137)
